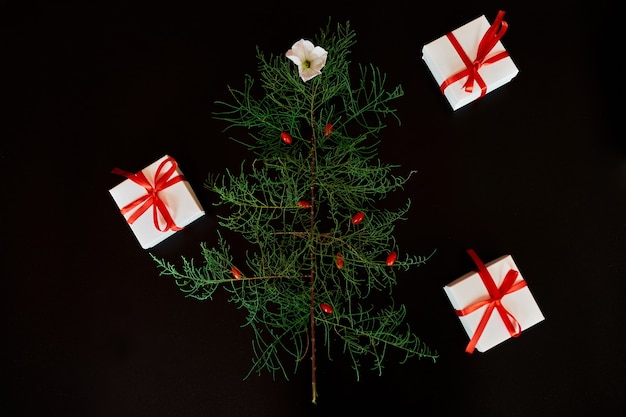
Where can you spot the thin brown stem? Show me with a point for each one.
(312, 257)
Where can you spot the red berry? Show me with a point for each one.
(339, 260)
(391, 259)
(326, 308)
(328, 129)
(286, 137)
(358, 218)
(236, 272)
(304, 204)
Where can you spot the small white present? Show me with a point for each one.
(156, 201)
(470, 61)
(493, 303)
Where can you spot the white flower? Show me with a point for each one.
(309, 58)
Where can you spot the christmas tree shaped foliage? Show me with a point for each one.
(309, 206)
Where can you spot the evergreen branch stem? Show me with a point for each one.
(312, 256)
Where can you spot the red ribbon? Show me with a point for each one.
(152, 199)
(488, 42)
(494, 302)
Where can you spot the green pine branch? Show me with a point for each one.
(364, 333)
(310, 210)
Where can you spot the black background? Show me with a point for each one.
(536, 169)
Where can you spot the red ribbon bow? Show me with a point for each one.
(488, 42)
(495, 301)
(152, 199)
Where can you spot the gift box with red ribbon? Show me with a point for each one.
(156, 201)
(493, 303)
(470, 61)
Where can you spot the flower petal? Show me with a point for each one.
(318, 53)
(295, 58)
(306, 75)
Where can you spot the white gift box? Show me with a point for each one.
(179, 200)
(470, 289)
(444, 61)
